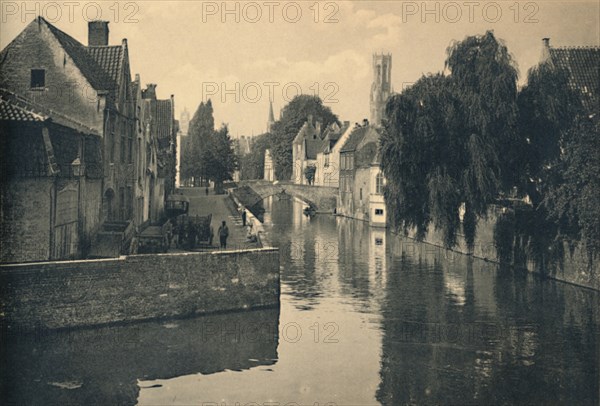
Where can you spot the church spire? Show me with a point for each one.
(271, 117)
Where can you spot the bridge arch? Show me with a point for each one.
(323, 199)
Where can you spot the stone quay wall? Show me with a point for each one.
(67, 294)
(573, 266)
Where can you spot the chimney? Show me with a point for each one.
(318, 128)
(546, 42)
(310, 119)
(97, 33)
(545, 56)
(149, 92)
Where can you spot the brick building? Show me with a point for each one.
(161, 130)
(51, 183)
(80, 98)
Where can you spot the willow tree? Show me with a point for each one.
(448, 140)
(548, 108)
(563, 162)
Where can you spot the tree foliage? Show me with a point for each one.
(548, 108)
(573, 193)
(293, 116)
(446, 139)
(208, 153)
(252, 165)
(562, 155)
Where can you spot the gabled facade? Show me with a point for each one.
(51, 183)
(328, 159)
(91, 84)
(361, 180)
(91, 88)
(161, 131)
(306, 145)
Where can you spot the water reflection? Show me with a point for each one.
(446, 341)
(366, 317)
(103, 365)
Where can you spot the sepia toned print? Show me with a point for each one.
(299, 202)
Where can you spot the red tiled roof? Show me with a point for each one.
(110, 59)
(14, 107)
(93, 72)
(583, 66)
(163, 118)
(10, 111)
(313, 146)
(307, 130)
(332, 136)
(354, 139)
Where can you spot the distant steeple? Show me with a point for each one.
(271, 117)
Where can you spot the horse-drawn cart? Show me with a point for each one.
(193, 231)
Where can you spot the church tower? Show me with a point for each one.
(381, 89)
(271, 120)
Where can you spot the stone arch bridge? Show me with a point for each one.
(323, 198)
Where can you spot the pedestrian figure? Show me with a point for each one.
(206, 190)
(169, 232)
(244, 218)
(223, 234)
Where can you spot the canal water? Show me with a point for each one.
(366, 318)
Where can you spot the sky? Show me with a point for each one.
(241, 55)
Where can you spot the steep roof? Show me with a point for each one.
(13, 112)
(163, 118)
(583, 66)
(354, 139)
(110, 59)
(307, 130)
(89, 67)
(332, 135)
(367, 150)
(15, 107)
(312, 147)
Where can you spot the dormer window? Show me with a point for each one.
(38, 79)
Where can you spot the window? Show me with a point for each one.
(122, 204)
(130, 145)
(326, 160)
(379, 212)
(379, 184)
(38, 78)
(360, 194)
(123, 145)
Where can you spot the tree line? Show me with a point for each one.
(462, 140)
(279, 139)
(207, 153)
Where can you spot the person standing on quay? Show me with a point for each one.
(223, 234)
